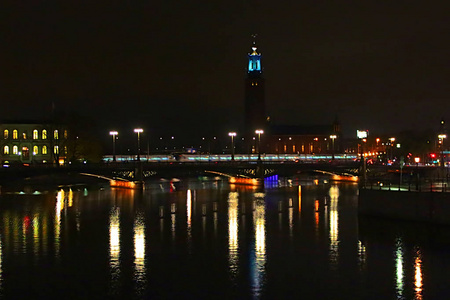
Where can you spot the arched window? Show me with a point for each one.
(44, 150)
(35, 150)
(5, 134)
(44, 134)
(35, 134)
(15, 150)
(56, 150)
(55, 134)
(15, 134)
(6, 150)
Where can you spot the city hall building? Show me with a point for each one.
(32, 143)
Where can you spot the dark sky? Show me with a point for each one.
(180, 65)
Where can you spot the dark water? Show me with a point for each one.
(206, 239)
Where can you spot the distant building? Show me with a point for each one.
(286, 139)
(255, 105)
(32, 143)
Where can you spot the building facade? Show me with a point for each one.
(32, 143)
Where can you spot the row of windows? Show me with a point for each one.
(15, 150)
(15, 134)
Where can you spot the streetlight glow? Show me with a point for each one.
(232, 135)
(259, 132)
(332, 137)
(114, 134)
(138, 131)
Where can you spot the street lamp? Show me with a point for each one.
(232, 135)
(114, 134)
(417, 160)
(259, 132)
(138, 131)
(362, 135)
(332, 137)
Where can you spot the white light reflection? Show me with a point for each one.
(334, 221)
(399, 274)
(291, 217)
(233, 230)
(259, 223)
(58, 208)
(189, 218)
(114, 246)
(139, 253)
(418, 276)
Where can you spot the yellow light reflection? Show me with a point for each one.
(58, 208)
(418, 276)
(334, 221)
(399, 269)
(70, 198)
(299, 199)
(114, 245)
(259, 223)
(233, 246)
(36, 234)
(291, 217)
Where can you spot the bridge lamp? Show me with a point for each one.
(138, 131)
(332, 137)
(259, 132)
(232, 135)
(114, 134)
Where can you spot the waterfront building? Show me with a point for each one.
(32, 142)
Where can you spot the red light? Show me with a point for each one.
(433, 155)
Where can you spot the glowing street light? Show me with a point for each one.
(441, 145)
(259, 132)
(332, 137)
(114, 134)
(138, 131)
(232, 135)
(362, 135)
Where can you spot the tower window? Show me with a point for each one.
(15, 134)
(6, 150)
(44, 149)
(35, 150)
(5, 134)
(35, 134)
(15, 150)
(44, 134)
(55, 135)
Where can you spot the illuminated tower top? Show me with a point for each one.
(254, 62)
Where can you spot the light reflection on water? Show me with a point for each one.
(114, 247)
(241, 254)
(334, 228)
(258, 263)
(233, 233)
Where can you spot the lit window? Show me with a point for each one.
(56, 150)
(44, 149)
(35, 150)
(15, 134)
(24, 135)
(65, 134)
(15, 150)
(55, 134)
(6, 150)
(35, 134)
(5, 134)
(44, 134)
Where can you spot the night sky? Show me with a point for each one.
(177, 66)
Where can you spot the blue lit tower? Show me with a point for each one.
(255, 112)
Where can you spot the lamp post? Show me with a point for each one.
(332, 137)
(362, 135)
(392, 140)
(417, 160)
(138, 131)
(232, 135)
(114, 134)
(259, 132)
